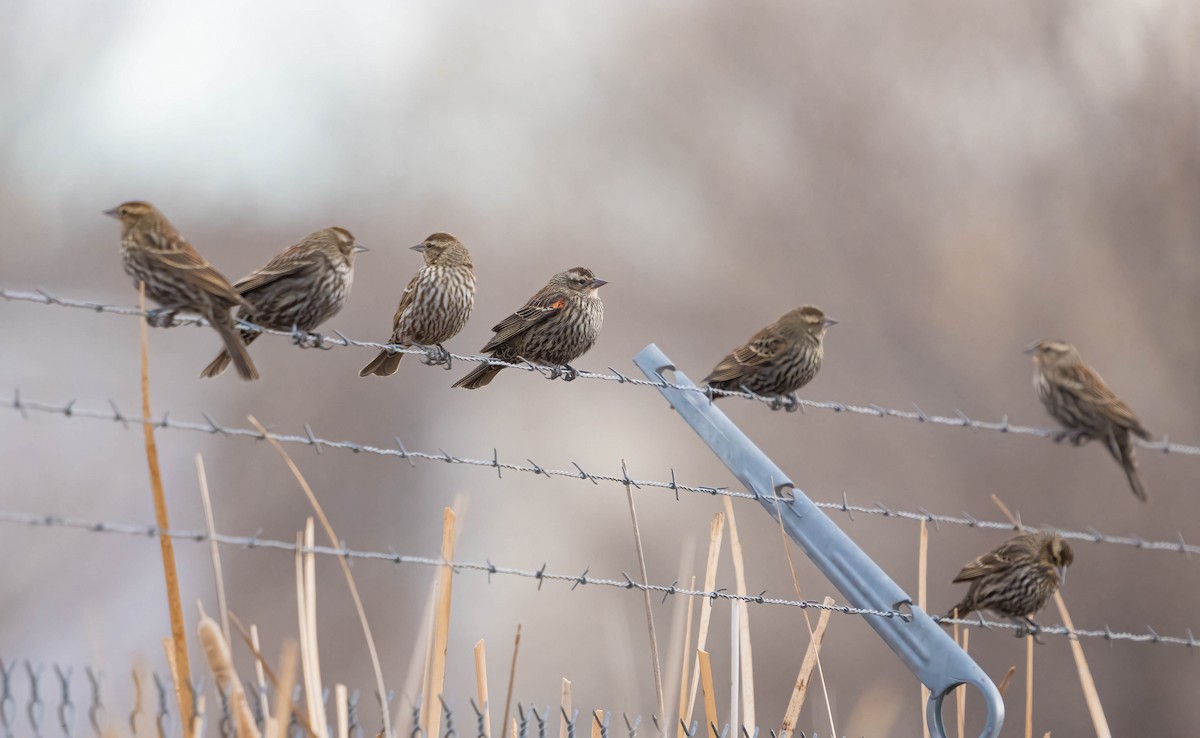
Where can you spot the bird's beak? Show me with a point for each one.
(1031, 348)
(419, 247)
(829, 322)
(597, 282)
(1062, 575)
(359, 248)
(113, 213)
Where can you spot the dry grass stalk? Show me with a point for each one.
(716, 532)
(1004, 684)
(172, 666)
(922, 591)
(1095, 708)
(683, 670)
(334, 541)
(306, 613)
(261, 663)
(1028, 687)
(213, 548)
(258, 668)
(441, 629)
(803, 679)
(710, 697)
(566, 708)
(341, 710)
(220, 662)
(481, 687)
(655, 663)
(283, 688)
(513, 729)
(512, 677)
(749, 719)
(1090, 695)
(197, 718)
(961, 692)
(182, 670)
(735, 662)
(787, 552)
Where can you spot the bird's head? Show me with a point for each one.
(442, 249)
(1057, 553)
(580, 280)
(808, 319)
(1047, 354)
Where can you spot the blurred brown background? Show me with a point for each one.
(949, 180)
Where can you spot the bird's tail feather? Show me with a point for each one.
(384, 365)
(1122, 450)
(235, 348)
(480, 376)
(221, 363)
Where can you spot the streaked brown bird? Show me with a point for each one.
(1017, 579)
(300, 288)
(1079, 400)
(558, 325)
(435, 305)
(177, 277)
(779, 359)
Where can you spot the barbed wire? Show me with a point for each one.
(30, 694)
(211, 426)
(541, 575)
(489, 568)
(434, 357)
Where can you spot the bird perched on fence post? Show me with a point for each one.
(435, 305)
(1079, 400)
(556, 326)
(778, 360)
(177, 277)
(299, 289)
(1016, 579)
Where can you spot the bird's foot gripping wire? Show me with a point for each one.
(436, 355)
(1031, 629)
(163, 317)
(1075, 436)
(566, 372)
(304, 339)
(789, 402)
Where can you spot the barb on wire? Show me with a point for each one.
(959, 419)
(488, 568)
(113, 413)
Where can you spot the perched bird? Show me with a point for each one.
(435, 305)
(177, 277)
(779, 359)
(558, 325)
(1079, 400)
(1017, 579)
(300, 288)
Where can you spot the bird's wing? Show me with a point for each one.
(997, 560)
(406, 300)
(293, 262)
(540, 307)
(184, 258)
(761, 349)
(1092, 389)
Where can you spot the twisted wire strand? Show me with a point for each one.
(626, 582)
(312, 340)
(210, 425)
